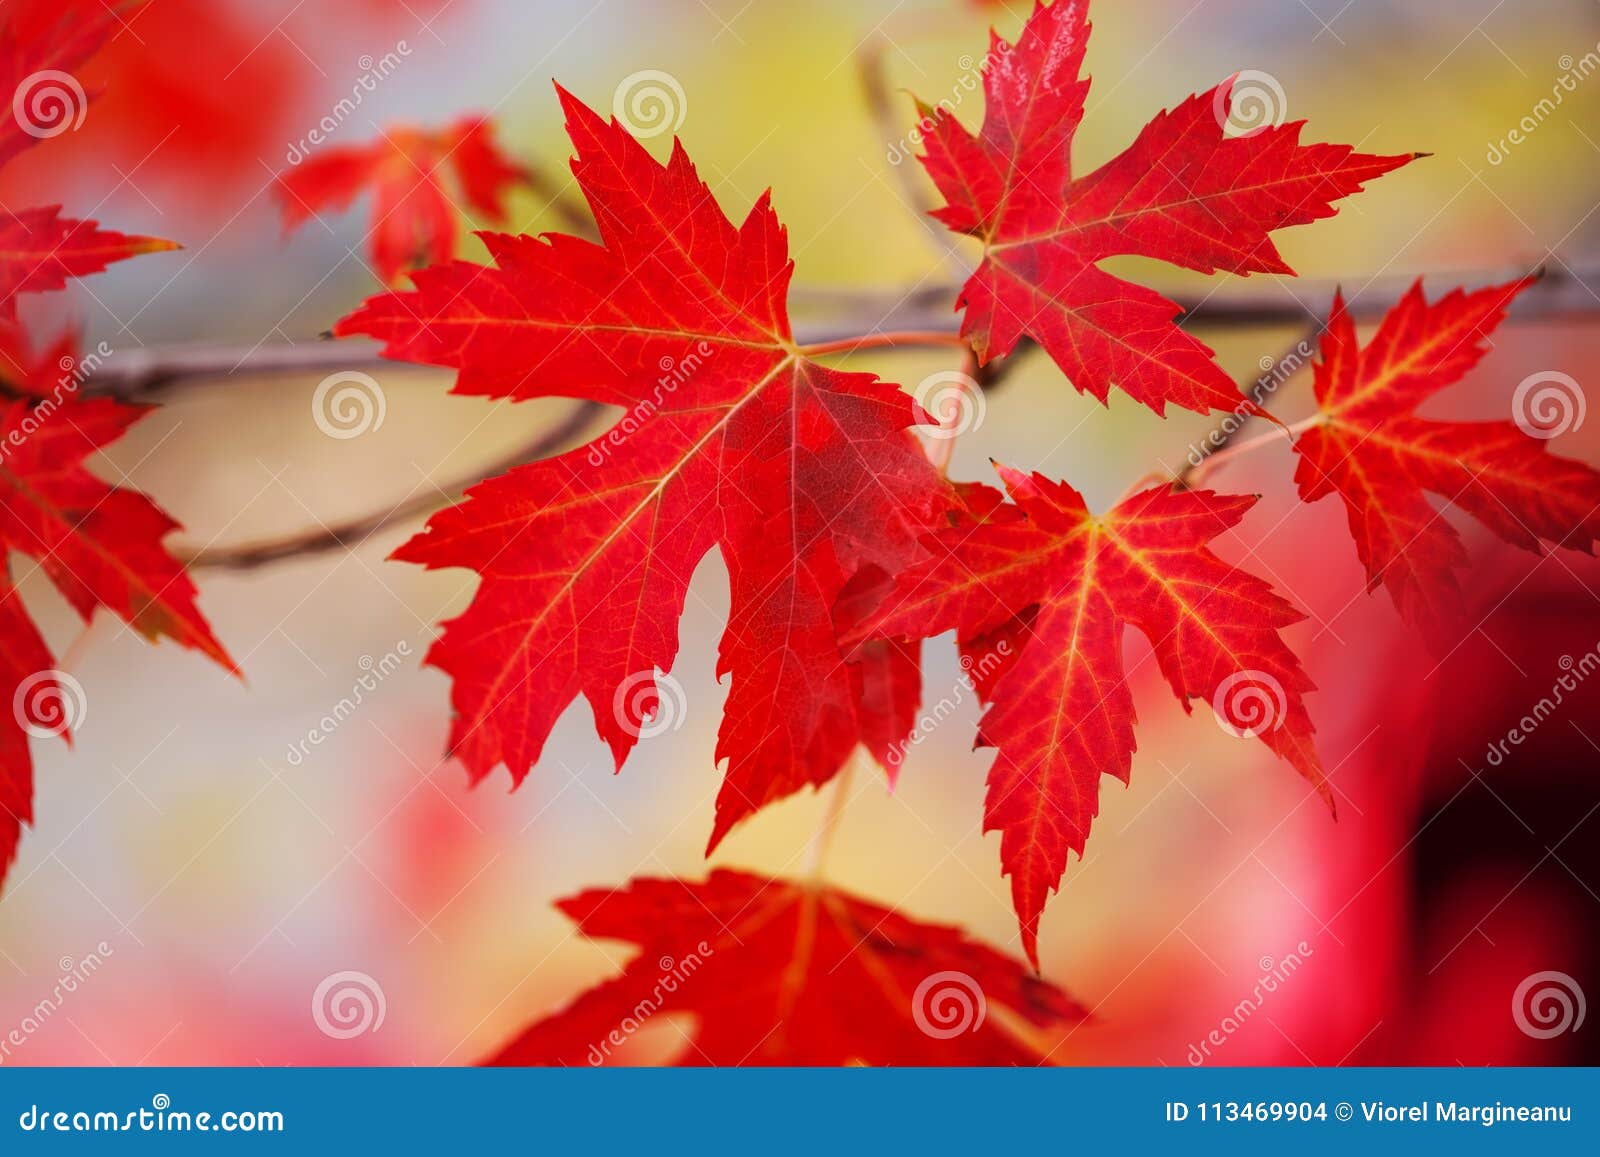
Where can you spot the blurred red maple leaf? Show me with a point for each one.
(100, 545)
(783, 973)
(417, 178)
(40, 42)
(1370, 448)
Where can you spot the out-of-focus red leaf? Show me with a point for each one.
(782, 973)
(1372, 450)
(100, 545)
(417, 179)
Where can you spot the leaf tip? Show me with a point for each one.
(153, 245)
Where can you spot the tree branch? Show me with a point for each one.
(139, 374)
(1564, 293)
(352, 533)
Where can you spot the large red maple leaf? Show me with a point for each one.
(98, 544)
(782, 973)
(417, 177)
(1056, 586)
(1184, 192)
(732, 437)
(40, 41)
(1383, 461)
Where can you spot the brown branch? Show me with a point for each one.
(875, 87)
(908, 172)
(573, 213)
(1563, 294)
(1565, 291)
(134, 375)
(352, 533)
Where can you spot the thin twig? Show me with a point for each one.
(574, 214)
(821, 842)
(353, 532)
(1220, 441)
(1195, 475)
(135, 374)
(1568, 289)
(889, 339)
(942, 449)
(875, 87)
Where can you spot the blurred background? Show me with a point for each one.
(220, 877)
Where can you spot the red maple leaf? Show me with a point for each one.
(419, 179)
(40, 41)
(1051, 588)
(732, 437)
(99, 545)
(40, 250)
(1382, 460)
(783, 973)
(1185, 192)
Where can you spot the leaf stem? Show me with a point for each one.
(943, 447)
(822, 839)
(1224, 456)
(73, 655)
(886, 340)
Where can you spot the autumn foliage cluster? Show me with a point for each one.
(845, 544)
